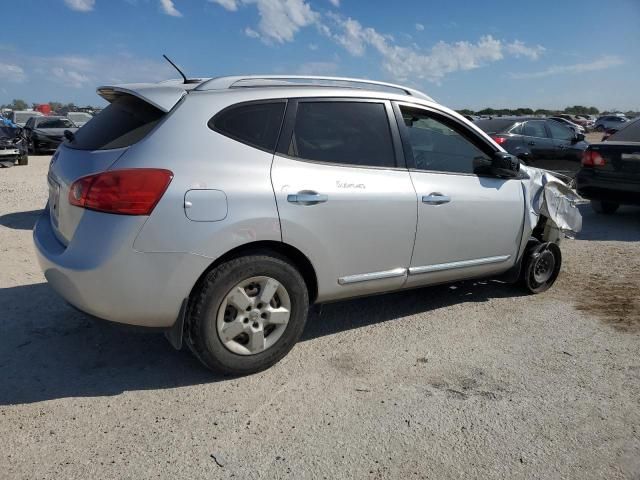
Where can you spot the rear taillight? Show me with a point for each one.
(592, 158)
(127, 192)
(499, 140)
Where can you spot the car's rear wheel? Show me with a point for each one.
(606, 208)
(23, 160)
(248, 314)
(599, 128)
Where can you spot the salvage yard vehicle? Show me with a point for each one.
(219, 209)
(610, 173)
(540, 143)
(45, 133)
(20, 117)
(13, 146)
(79, 118)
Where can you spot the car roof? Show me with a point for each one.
(164, 95)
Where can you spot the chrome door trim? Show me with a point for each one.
(365, 277)
(461, 264)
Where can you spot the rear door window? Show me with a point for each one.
(559, 131)
(535, 128)
(256, 124)
(125, 121)
(347, 133)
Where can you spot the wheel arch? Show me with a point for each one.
(281, 249)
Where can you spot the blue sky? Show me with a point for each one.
(543, 54)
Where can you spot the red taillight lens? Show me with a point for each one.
(128, 192)
(591, 158)
(499, 140)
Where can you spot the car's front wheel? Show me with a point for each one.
(606, 208)
(248, 314)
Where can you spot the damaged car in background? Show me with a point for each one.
(13, 146)
(290, 191)
(44, 134)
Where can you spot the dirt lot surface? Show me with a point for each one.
(474, 380)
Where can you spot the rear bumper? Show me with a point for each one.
(100, 273)
(596, 186)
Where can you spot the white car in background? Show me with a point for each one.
(79, 118)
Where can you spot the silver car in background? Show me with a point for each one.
(220, 209)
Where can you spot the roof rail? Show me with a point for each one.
(223, 83)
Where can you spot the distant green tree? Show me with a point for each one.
(55, 106)
(19, 104)
(465, 111)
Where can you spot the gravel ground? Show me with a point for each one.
(474, 380)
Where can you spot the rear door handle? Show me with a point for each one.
(532, 143)
(307, 198)
(435, 198)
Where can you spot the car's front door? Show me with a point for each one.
(469, 224)
(344, 197)
(568, 151)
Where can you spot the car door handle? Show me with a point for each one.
(532, 143)
(435, 198)
(307, 198)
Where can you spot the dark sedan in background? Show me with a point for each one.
(610, 173)
(541, 143)
(46, 133)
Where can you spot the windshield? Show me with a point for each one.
(54, 123)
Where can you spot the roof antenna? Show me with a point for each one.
(186, 80)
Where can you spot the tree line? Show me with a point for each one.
(574, 110)
(59, 107)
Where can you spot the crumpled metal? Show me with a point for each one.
(547, 195)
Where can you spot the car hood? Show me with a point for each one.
(8, 133)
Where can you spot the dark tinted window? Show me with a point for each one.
(257, 124)
(628, 133)
(559, 131)
(535, 128)
(494, 125)
(517, 129)
(350, 133)
(438, 147)
(54, 123)
(124, 122)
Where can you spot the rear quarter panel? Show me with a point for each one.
(203, 159)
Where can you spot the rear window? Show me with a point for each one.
(628, 133)
(494, 125)
(256, 124)
(53, 123)
(125, 121)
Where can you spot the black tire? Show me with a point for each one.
(542, 253)
(201, 334)
(605, 208)
(23, 160)
(599, 128)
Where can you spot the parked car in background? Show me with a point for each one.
(586, 123)
(79, 118)
(13, 146)
(20, 117)
(224, 240)
(609, 121)
(46, 133)
(573, 126)
(610, 173)
(541, 143)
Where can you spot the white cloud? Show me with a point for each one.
(80, 5)
(318, 68)
(601, 63)
(416, 64)
(419, 27)
(11, 73)
(169, 8)
(335, 3)
(70, 78)
(231, 5)
(279, 20)
(313, 46)
(519, 49)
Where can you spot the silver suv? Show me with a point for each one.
(220, 209)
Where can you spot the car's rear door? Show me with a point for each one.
(539, 142)
(344, 197)
(469, 224)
